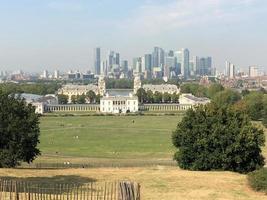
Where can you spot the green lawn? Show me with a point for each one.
(116, 137)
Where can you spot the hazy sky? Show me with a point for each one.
(61, 34)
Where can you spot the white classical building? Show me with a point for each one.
(75, 90)
(118, 104)
(163, 88)
(189, 99)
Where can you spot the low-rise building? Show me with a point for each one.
(38, 101)
(74, 90)
(119, 104)
(189, 99)
(163, 88)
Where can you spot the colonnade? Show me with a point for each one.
(96, 107)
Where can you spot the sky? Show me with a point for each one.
(61, 34)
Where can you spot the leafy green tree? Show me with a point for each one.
(195, 89)
(245, 92)
(150, 96)
(254, 103)
(218, 138)
(142, 95)
(226, 97)
(175, 98)
(97, 99)
(81, 99)
(40, 88)
(264, 115)
(166, 97)
(19, 131)
(73, 99)
(157, 97)
(62, 99)
(214, 89)
(91, 96)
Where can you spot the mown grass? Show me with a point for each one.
(116, 137)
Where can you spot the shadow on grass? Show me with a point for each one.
(49, 185)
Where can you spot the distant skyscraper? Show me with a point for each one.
(104, 68)
(117, 59)
(195, 65)
(125, 66)
(204, 66)
(45, 74)
(148, 62)
(230, 70)
(182, 57)
(137, 65)
(253, 71)
(170, 63)
(155, 57)
(56, 74)
(158, 57)
(97, 60)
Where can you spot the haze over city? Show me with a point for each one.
(61, 34)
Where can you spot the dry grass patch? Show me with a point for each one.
(163, 183)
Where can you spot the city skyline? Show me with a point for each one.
(62, 34)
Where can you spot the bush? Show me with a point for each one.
(258, 180)
(214, 138)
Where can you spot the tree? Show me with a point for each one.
(214, 89)
(195, 89)
(91, 96)
(214, 138)
(73, 99)
(81, 99)
(97, 99)
(175, 98)
(226, 98)
(166, 97)
(157, 98)
(62, 99)
(264, 114)
(149, 95)
(142, 95)
(254, 104)
(19, 131)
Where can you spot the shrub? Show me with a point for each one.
(258, 180)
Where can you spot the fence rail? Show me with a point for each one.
(18, 190)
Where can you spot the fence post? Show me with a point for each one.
(128, 191)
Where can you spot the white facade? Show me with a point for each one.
(253, 71)
(189, 99)
(56, 74)
(118, 104)
(39, 107)
(168, 88)
(230, 70)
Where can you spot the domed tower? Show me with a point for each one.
(137, 83)
(101, 86)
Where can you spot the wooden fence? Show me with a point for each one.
(18, 190)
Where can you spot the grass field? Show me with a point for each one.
(118, 138)
(157, 183)
(107, 137)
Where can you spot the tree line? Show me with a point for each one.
(40, 88)
(157, 97)
(90, 97)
